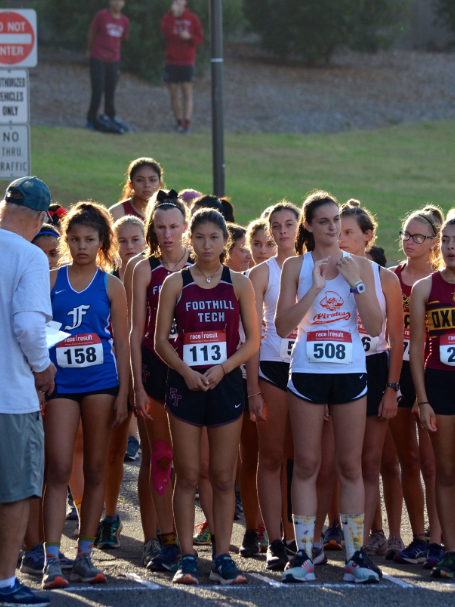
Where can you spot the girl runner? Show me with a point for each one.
(144, 178)
(165, 225)
(47, 241)
(222, 205)
(260, 242)
(420, 242)
(204, 386)
(91, 382)
(327, 368)
(267, 376)
(433, 302)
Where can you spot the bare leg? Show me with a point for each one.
(175, 101)
(187, 92)
(76, 482)
(326, 479)
(375, 432)
(205, 487)
(428, 467)
(286, 482)
(393, 492)
(13, 522)
(132, 428)
(144, 487)
(114, 476)
(248, 472)
(33, 534)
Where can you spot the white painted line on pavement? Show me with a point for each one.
(267, 580)
(146, 583)
(397, 581)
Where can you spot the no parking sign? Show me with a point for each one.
(18, 44)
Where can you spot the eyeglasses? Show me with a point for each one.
(417, 238)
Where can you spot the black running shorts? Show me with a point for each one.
(274, 372)
(408, 393)
(440, 389)
(328, 388)
(154, 374)
(222, 405)
(173, 74)
(79, 396)
(378, 374)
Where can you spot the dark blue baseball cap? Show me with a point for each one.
(35, 193)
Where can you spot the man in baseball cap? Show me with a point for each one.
(29, 192)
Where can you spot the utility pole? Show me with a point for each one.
(216, 43)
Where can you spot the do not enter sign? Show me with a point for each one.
(18, 45)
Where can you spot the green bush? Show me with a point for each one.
(445, 11)
(313, 29)
(67, 23)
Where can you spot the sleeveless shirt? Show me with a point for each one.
(375, 345)
(406, 294)
(130, 210)
(441, 324)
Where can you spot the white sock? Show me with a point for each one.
(304, 532)
(8, 583)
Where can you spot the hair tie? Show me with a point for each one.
(46, 233)
(163, 195)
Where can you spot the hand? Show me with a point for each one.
(348, 269)
(185, 35)
(319, 273)
(415, 411)
(44, 381)
(428, 418)
(196, 381)
(214, 375)
(120, 411)
(327, 414)
(142, 404)
(388, 407)
(256, 406)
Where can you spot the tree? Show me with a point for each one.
(445, 11)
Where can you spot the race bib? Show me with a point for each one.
(406, 344)
(287, 343)
(204, 348)
(329, 347)
(80, 351)
(447, 349)
(370, 344)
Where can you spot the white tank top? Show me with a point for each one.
(375, 345)
(273, 347)
(328, 338)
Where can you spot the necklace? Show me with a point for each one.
(208, 278)
(184, 252)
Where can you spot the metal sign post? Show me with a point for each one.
(216, 43)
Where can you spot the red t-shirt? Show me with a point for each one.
(109, 33)
(178, 51)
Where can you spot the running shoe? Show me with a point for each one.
(377, 544)
(150, 550)
(319, 557)
(250, 544)
(446, 567)
(90, 125)
(435, 554)
(65, 562)
(334, 536)
(201, 535)
(53, 576)
(359, 569)
(291, 547)
(415, 553)
(299, 569)
(33, 560)
(395, 545)
(167, 559)
(277, 558)
(132, 449)
(110, 532)
(225, 571)
(188, 571)
(85, 571)
(21, 595)
(263, 538)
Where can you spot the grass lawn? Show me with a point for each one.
(391, 170)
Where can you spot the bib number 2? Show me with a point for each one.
(329, 347)
(204, 348)
(80, 351)
(447, 350)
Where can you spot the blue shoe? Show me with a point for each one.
(65, 562)
(415, 553)
(188, 571)
(435, 554)
(167, 560)
(90, 125)
(21, 595)
(33, 560)
(225, 571)
(132, 449)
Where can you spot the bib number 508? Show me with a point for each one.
(329, 350)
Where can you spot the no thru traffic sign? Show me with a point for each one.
(18, 45)
(14, 151)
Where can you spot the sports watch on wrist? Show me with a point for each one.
(359, 287)
(395, 386)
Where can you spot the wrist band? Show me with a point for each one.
(224, 372)
(257, 394)
(424, 403)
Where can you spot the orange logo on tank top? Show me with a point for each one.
(332, 301)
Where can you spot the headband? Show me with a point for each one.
(166, 204)
(423, 216)
(47, 233)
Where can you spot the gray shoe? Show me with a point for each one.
(85, 571)
(151, 549)
(395, 545)
(53, 576)
(319, 558)
(377, 544)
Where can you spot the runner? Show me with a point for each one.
(91, 382)
(327, 368)
(188, 195)
(166, 223)
(260, 242)
(144, 178)
(267, 376)
(222, 205)
(204, 386)
(47, 241)
(420, 242)
(433, 301)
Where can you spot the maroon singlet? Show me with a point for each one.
(158, 276)
(207, 321)
(130, 210)
(441, 324)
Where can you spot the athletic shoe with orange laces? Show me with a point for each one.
(201, 535)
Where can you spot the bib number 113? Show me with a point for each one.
(204, 348)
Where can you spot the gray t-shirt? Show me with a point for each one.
(24, 287)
